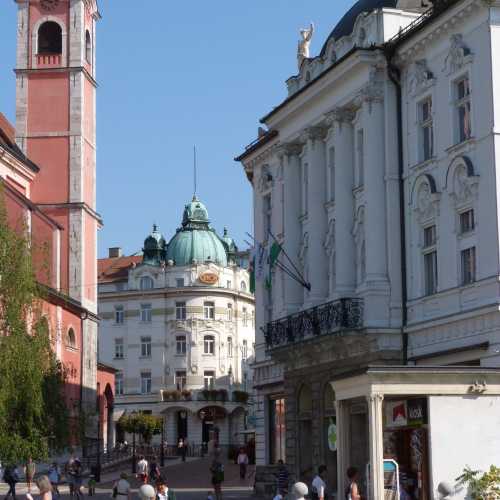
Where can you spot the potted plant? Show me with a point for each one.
(240, 397)
(186, 394)
(481, 487)
(176, 395)
(221, 395)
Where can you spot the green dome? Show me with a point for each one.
(195, 240)
(154, 247)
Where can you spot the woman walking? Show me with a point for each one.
(242, 461)
(121, 489)
(54, 476)
(29, 472)
(352, 491)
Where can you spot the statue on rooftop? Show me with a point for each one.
(306, 35)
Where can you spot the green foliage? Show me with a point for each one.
(141, 423)
(481, 487)
(32, 411)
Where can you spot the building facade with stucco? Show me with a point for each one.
(377, 176)
(178, 325)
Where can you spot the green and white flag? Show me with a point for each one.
(272, 258)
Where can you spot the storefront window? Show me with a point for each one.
(277, 430)
(405, 442)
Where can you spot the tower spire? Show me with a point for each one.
(194, 171)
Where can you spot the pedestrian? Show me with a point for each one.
(142, 469)
(91, 484)
(45, 488)
(318, 490)
(299, 491)
(77, 479)
(242, 461)
(54, 478)
(352, 490)
(182, 448)
(217, 470)
(147, 492)
(121, 489)
(163, 492)
(283, 478)
(11, 477)
(210, 496)
(68, 470)
(29, 472)
(154, 471)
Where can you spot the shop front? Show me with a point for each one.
(423, 425)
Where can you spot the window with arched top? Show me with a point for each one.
(146, 283)
(71, 339)
(50, 38)
(243, 286)
(88, 47)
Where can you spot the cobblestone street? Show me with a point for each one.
(190, 480)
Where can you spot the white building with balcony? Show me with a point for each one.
(178, 324)
(378, 176)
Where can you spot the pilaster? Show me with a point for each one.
(375, 428)
(343, 444)
(342, 118)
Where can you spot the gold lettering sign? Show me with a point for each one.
(209, 278)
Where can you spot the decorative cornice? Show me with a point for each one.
(341, 115)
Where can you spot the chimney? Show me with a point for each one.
(115, 252)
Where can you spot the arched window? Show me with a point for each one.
(209, 344)
(71, 340)
(50, 38)
(243, 286)
(146, 283)
(88, 47)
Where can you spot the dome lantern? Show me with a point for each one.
(154, 248)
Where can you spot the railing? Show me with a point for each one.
(320, 320)
(48, 59)
(437, 8)
(210, 394)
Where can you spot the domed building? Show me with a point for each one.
(178, 325)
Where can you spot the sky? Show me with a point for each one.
(173, 75)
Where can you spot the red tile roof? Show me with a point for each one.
(116, 268)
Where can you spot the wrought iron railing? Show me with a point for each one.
(343, 314)
(437, 7)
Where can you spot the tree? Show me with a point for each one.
(32, 410)
(141, 423)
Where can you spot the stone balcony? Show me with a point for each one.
(221, 395)
(326, 319)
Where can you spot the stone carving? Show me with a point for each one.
(359, 239)
(465, 187)
(304, 245)
(427, 202)
(330, 238)
(316, 132)
(306, 35)
(340, 116)
(265, 179)
(421, 78)
(458, 55)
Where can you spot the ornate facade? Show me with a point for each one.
(383, 192)
(178, 325)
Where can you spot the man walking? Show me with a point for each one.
(319, 485)
(142, 469)
(11, 477)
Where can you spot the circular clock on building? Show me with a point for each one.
(49, 4)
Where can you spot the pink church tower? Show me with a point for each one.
(56, 128)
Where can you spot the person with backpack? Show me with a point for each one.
(11, 477)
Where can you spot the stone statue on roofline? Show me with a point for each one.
(306, 35)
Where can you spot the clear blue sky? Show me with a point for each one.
(173, 74)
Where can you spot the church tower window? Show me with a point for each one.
(88, 47)
(50, 38)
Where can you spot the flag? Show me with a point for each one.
(251, 271)
(261, 259)
(272, 258)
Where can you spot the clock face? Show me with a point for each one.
(49, 4)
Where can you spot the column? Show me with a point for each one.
(343, 444)
(317, 220)
(375, 433)
(344, 201)
(374, 165)
(291, 179)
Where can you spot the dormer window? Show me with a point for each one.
(146, 283)
(88, 47)
(50, 38)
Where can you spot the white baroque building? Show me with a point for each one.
(378, 176)
(178, 325)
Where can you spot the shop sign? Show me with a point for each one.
(209, 278)
(396, 414)
(332, 435)
(417, 414)
(212, 413)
